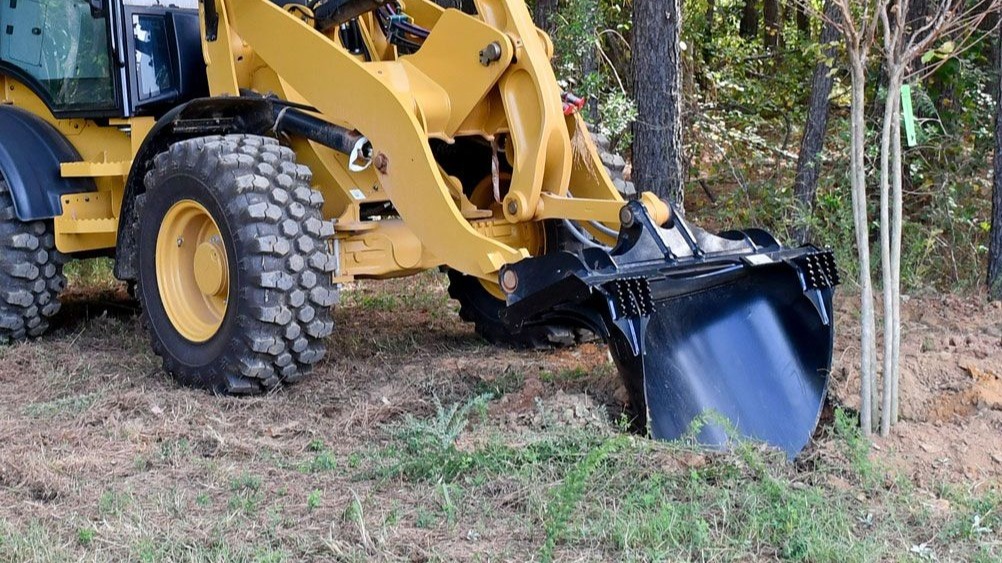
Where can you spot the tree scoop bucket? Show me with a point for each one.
(716, 337)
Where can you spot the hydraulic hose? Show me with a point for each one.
(352, 143)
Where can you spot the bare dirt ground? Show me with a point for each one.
(951, 387)
(103, 457)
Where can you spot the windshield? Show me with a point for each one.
(62, 48)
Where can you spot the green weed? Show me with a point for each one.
(314, 499)
(114, 503)
(567, 496)
(85, 536)
(175, 452)
(246, 494)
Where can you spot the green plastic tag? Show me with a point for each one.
(908, 115)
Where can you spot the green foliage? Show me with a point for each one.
(628, 499)
(591, 60)
(246, 494)
(567, 496)
(69, 406)
(419, 454)
(508, 381)
(94, 273)
(449, 422)
(616, 115)
(947, 182)
(744, 111)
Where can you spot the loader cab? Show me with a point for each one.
(104, 58)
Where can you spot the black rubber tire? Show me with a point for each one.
(480, 307)
(279, 313)
(31, 273)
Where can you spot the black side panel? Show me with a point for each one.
(31, 151)
(194, 82)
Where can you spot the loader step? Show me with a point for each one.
(95, 169)
(88, 226)
(87, 222)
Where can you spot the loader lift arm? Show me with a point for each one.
(399, 104)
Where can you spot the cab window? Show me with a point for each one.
(61, 48)
(154, 71)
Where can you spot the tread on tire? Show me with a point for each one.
(278, 315)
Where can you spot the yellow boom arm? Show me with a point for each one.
(446, 90)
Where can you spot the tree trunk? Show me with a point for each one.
(749, 19)
(657, 70)
(804, 19)
(543, 14)
(897, 224)
(995, 234)
(918, 11)
(888, 236)
(589, 66)
(773, 24)
(709, 17)
(868, 330)
(805, 184)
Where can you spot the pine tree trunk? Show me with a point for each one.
(805, 184)
(995, 234)
(749, 19)
(773, 24)
(543, 14)
(657, 140)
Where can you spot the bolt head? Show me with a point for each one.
(626, 216)
(509, 281)
(512, 207)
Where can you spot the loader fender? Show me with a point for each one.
(31, 151)
(197, 118)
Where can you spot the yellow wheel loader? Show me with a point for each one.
(242, 159)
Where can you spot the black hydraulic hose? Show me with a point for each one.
(352, 143)
(408, 27)
(332, 13)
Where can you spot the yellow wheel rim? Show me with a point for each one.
(192, 271)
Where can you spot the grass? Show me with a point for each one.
(416, 441)
(629, 499)
(67, 406)
(579, 493)
(90, 274)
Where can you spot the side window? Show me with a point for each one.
(154, 71)
(62, 48)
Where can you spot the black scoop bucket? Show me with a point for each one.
(715, 336)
